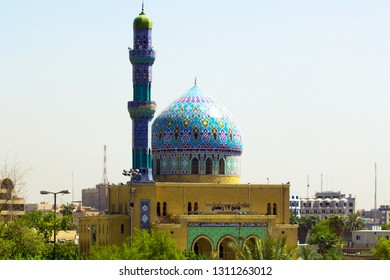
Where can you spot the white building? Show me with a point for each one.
(328, 203)
(295, 204)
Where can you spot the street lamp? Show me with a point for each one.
(131, 173)
(55, 208)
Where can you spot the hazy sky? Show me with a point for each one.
(307, 81)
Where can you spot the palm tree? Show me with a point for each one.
(337, 224)
(354, 222)
(67, 209)
(305, 224)
(326, 242)
(307, 252)
(267, 249)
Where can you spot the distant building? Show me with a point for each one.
(384, 211)
(95, 198)
(295, 204)
(328, 203)
(368, 238)
(41, 207)
(10, 204)
(372, 218)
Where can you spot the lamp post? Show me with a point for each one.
(55, 210)
(131, 173)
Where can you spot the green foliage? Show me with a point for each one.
(20, 242)
(267, 249)
(321, 228)
(67, 209)
(382, 249)
(305, 225)
(385, 227)
(153, 245)
(42, 222)
(63, 251)
(333, 254)
(354, 222)
(28, 238)
(107, 252)
(337, 224)
(307, 252)
(326, 242)
(294, 219)
(190, 255)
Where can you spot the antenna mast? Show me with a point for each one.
(308, 185)
(375, 196)
(72, 189)
(105, 179)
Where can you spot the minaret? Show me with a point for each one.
(142, 109)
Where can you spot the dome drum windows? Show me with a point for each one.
(195, 166)
(178, 163)
(209, 166)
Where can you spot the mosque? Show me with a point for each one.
(185, 179)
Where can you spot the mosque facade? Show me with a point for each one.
(188, 173)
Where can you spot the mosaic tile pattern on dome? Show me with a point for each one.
(196, 121)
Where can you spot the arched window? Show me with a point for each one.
(274, 209)
(196, 208)
(194, 166)
(164, 209)
(158, 209)
(158, 167)
(268, 208)
(221, 166)
(209, 166)
(189, 208)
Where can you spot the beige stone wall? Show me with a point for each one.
(177, 196)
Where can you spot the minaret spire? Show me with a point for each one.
(142, 108)
(143, 6)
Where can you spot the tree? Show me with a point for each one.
(42, 222)
(385, 227)
(354, 222)
(147, 245)
(307, 252)
(259, 249)
(14, 170)
(305, 225)
(154, 245)
(337, 224)
(382, 249)
(20, 242)
(67, 209)
(326, 242)
(294, 219)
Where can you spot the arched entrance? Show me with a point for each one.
(202, 246)
(251, 241)
(224, 250)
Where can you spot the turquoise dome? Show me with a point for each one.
(196, 122)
